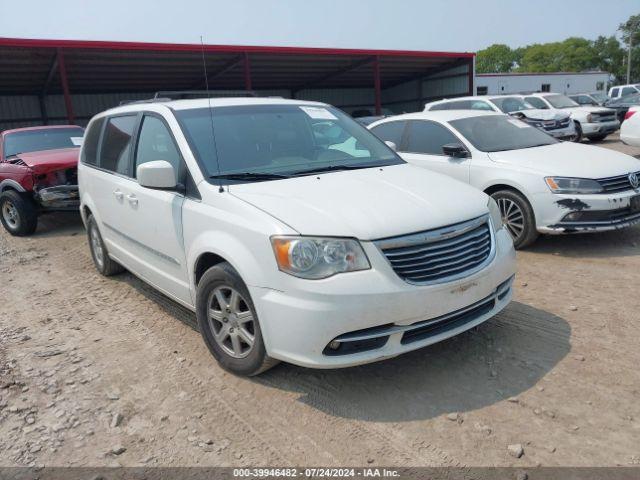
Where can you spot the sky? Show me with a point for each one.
(435, 25)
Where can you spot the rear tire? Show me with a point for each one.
(228, 322)
(18, 213)
(517, 216)
(104, 264)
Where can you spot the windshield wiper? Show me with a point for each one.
(250, 176)
(332, 168)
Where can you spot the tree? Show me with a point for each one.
(630, 31)
(497, 58)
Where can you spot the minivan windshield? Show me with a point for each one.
(511, 104)
(266, 142)
(560, 101)
(42, 139)
(497, 133)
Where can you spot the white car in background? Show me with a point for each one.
(630, 129)
(292, 232)
(594, 123)
(540, 184)
(556, 123)
(624, 90)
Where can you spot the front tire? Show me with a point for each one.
(104, 264)
(517, 217)
(228, 322)
(578, 137)
(18, 213)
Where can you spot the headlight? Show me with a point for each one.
(589, 118)
(496, 214)
(572, 185)
(316, 257)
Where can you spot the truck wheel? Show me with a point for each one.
(101, 259)
(228, 322)
(517, 216)
(578, 137)
(18, 213)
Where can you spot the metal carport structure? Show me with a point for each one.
(56, 81)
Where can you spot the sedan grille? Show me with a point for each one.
(620, 183)
(441, 255)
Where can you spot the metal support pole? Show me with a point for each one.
(629, 60)
(377, 85)
(65, 86)
(247, 72)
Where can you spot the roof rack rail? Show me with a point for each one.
(182, 94)
(148, 100)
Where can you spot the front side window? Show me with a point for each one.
(156, 143)
(628, 91)
(116, 144)
(536, 102)
(283, 140)
(428, 137)
(561, 101)
(496, 133)
(42, 139)
(390, 132)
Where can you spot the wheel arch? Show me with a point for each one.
(9, 184)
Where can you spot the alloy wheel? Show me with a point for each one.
(231, 321)
(96, 246)
(10, 215)
(512, 217)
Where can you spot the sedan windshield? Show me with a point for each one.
(561, 101)
(267, 142)
(42, 139)
(511, 104)
(496, 133)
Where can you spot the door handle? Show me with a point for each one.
(133, 200)
(118, 194)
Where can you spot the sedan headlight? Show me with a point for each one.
(496, 214)
(316, 257)
(573, 185)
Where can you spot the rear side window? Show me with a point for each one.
(116, 144)
(156, 143)
(91, 138)
(428, 137)
(390, 131)
(614, 92)
(628, 91)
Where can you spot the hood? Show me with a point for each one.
(366, 204)
(537, 114)
(50, 160)
(568, 159)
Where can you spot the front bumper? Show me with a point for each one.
(62, 197)
(557, 214)
(299, 324)
(599, 128)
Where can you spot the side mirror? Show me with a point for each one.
(391, 145)
(156, 174)
(456, 150)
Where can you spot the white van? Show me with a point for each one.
(292, 232)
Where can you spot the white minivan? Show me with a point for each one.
(293, 232)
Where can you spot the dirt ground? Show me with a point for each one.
(101, 372)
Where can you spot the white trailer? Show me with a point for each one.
(560, 82)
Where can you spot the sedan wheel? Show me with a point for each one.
(231, 321)
(512, 217)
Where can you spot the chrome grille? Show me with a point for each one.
(603, 117)
(441, 255)
(620, 183)
(556, 124)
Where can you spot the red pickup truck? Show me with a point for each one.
(38, 174)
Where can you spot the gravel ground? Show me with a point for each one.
(101, 372)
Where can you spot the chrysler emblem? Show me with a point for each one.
(634, 180)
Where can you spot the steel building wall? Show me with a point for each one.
(567, 83)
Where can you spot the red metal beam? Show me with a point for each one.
(65, 86)
(196, 47)
(377, 89)
(247, 72)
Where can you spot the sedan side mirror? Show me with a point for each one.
(157, 174)
(391, 145)
(456, 150)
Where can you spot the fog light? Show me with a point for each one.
(573, 217)
(334, 344)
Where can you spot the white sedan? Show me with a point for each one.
(540, 184)
(630, 129)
